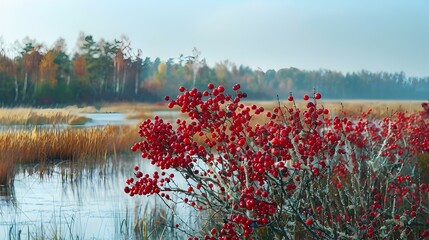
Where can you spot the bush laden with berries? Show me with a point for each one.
(300, 173)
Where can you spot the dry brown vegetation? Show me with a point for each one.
(73, 115)
(27, 116)
(41, 145)
(379, 108)
(133, 107)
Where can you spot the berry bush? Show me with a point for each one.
(287, 173)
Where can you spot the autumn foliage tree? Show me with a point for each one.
(48, 67)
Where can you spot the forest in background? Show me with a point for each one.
(33, 74)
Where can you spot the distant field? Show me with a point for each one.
(72, 114)
(380, 108)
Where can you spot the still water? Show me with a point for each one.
(68, 201)
(89, 206)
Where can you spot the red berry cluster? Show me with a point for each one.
(334, 177)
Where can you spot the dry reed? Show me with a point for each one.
(31, 116)
(134, 107)
(140, 115)
(379, 108)
(41, 145)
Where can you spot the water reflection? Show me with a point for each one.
(102, 119)
(73, 200)
(96, 119)
(89, 204)
(7, 195)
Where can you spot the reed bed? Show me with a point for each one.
(379, 108)
(134, 107)
(42, 145)
(350, 108)
(140, 115)
(32, 116)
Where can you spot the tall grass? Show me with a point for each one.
(134, 107)
(42, 145)
(27, 116)
(154, 222)
(61, 228)
(141, 222)
(379, 108)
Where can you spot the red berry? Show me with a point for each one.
(215, 92)
(167, 98)
(305, 97)
(309, 221)
(221, 88)
(317, 96)
(127, 189)
(264, 194)
(182, 88)
(290, 98)
(213, 231)
(236, 87)
(425, 233)
(136, 168)
(210, 86)
(241, 142)
(339, 185)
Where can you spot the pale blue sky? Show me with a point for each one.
(344, 35)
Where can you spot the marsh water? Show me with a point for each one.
(76, 202)
(90, 204)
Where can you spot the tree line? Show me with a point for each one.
(108, 71)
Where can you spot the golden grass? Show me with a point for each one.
(349, 108)
(7, 168)
(78, 120)
(140, 115)
(380, 108)
(134, 107)
(27, 116)
(41, 145)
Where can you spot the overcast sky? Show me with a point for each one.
(343, 35)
